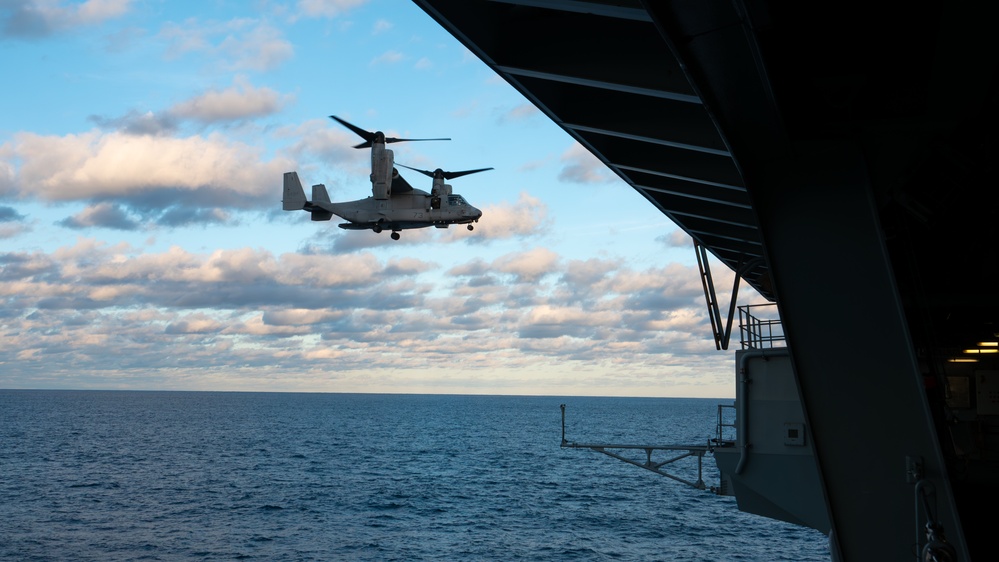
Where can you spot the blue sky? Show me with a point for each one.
(142, 148)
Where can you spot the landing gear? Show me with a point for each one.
(470, 227)
(395, 236)
(377, 228)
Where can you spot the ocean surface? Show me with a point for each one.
(122, 475)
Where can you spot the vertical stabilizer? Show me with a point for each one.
(319, 194)
(294, 196)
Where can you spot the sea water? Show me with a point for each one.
(123, 475)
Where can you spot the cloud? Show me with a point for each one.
(676, 238)
(12, 230)
(327, 8)
(176, 215)
(388, 57)
(301, 317)
(527, 217)
(194, 324)
(150, 174)
(381, 26)
(262, 48)
(236, 45)
(138, 123)
(532, 165)
(27, 19)
(10, 214)
(582, 167)
(138, 164)
(528, 266)
(124, 39)
(105, 215)
(325, 141)
(94, 307)
(587, 273)
(521, 112)
(241, 101)
(547, 321)
(7, 172)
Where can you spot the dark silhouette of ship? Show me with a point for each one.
(841, 159)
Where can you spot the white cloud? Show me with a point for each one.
(582, 167)
(7, 173)
(528, 266)
(105, 215)
(590, 271)
(198, 323)
(675, 238)
(527, 217)
(521, 112)
(300, 316)
(238, 44)
(382, 26)
(388, 57)
(262, 48)
(9, 230)
(33, 18)
(325, 141)
(241, 101)
(92, 11)
(108, 165)
(250, 307)
(327, 8)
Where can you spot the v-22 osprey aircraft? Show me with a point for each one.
(394, 204)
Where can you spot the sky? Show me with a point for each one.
(142, 149)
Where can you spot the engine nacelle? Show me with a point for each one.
(441, 190)
(382, 172)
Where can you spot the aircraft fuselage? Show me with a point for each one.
(413, 209)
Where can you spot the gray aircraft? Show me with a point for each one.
(394, 204)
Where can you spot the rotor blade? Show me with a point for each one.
(366, 135)
(393, 139)
(370, 137)
(452, 175)
(443, 174)
(424, 172)
(390, 140)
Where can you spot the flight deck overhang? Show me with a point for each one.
(604, 73)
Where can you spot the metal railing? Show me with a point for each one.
(725, 432)
(756, 332)
(621, 452)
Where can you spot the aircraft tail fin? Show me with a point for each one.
(294, 196)
(319, 194)
(319, 197)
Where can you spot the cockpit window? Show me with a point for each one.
(456, 200)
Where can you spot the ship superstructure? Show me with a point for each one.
(840, 158)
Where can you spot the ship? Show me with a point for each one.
(840, 159)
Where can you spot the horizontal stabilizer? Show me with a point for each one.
(294, 196)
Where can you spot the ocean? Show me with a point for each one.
(128, 475)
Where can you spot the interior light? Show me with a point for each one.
(988, 344)
(977, 351)
(962, 360)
